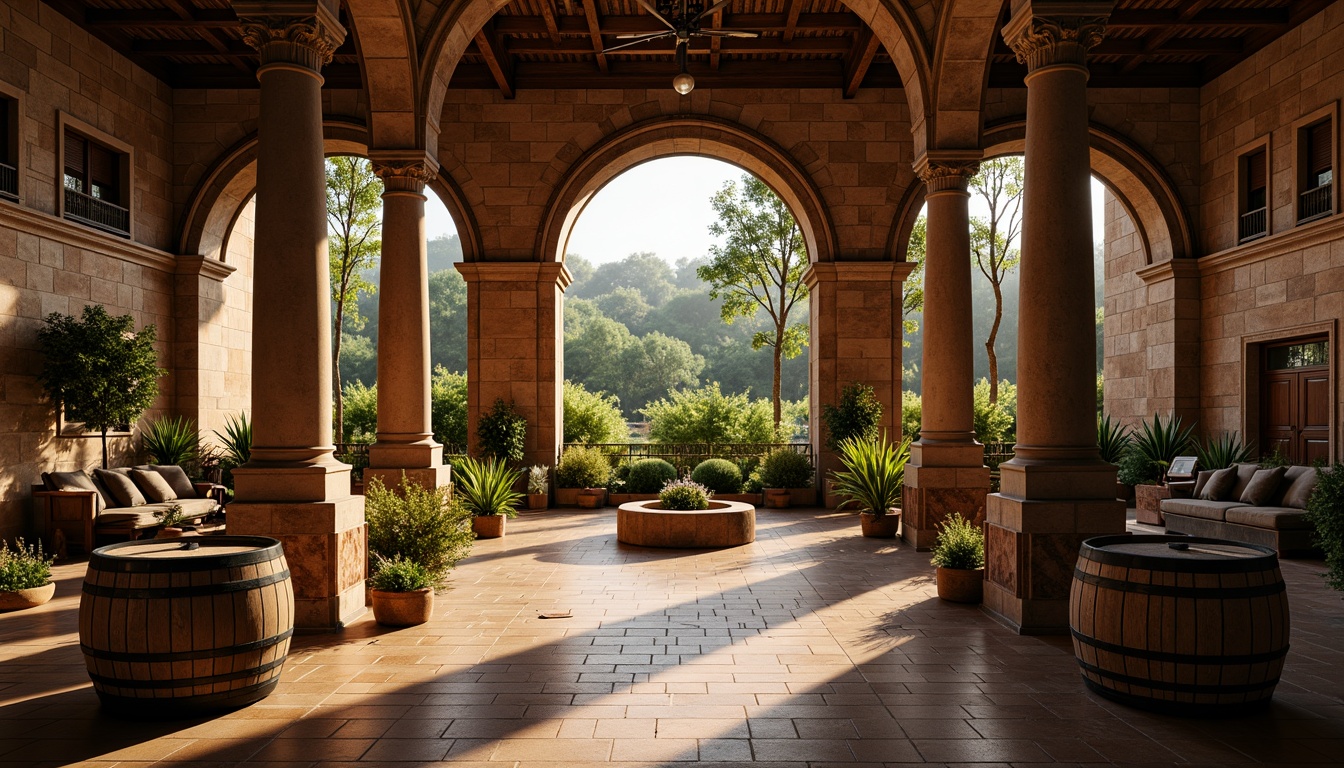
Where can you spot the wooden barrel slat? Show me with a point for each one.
(181, 633)
(1197, 632)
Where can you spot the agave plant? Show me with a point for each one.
(1160, 443)
(171, 441)
(1113, 438)
(1223, 451)
(873, 475)
(236, 440)
(486, 487)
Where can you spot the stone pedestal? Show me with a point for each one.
(855, 310)
(1056, 491)
(293, 489)
(515, 347)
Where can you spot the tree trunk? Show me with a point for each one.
(337, 395)
(104, 433)
(989, 345)
(779, 363)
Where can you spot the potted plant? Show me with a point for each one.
(581, 469)
(486, 490)
(402, 591)
(1325, 513)
(1158, 443)
(959, 554)
(25, 576)
(171, 520)
(1113, 440)
(857, 415)
(783, 470)
(429, 527)
(538, 494)
(872, 480)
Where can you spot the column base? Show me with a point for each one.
(384, 454)
(427, 477)
(942, 480)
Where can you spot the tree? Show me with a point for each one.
(645, 271)
(706, 415)
(448, 320)
(354, 221)
(361, 412)
(760, 267)
(98, 369)
(448, 409)
(626, 306)
(656, 364)
(994, 240)
(912, 291)
(592, 417)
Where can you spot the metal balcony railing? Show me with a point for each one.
(1315, 202)
(9, 181)
(1253, 224)
(97, 213)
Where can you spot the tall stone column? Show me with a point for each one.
(516, 347)
(405, 441)
(947, 472)
(293, 489)
(855, 310)
(1056, 491)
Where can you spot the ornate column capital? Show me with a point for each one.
(301, 33)
(1050, 34)
(404, 175)
(947, 172)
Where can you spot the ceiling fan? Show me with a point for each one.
(682, 19)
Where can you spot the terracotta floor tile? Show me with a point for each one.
(655, 750)
(809, 750)
(559, 750)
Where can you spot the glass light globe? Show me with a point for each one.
(683, 83)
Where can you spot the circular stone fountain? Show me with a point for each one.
(724, 524)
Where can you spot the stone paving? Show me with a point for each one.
(812, 646)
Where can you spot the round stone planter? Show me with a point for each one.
(403, 609)
(20, 599)
(884, 527)
(724, 524)
(488, 526)
(961, 585)
(776, 498)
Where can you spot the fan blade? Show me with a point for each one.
(726, 33)
(638, 39)
(713, 9)
(649, 7)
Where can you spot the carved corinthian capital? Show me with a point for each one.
(306, 34)
(404, 176)
(945, 175)
(1042, 41)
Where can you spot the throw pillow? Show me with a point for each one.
(1263, 486)
(1200, 481)
(152, 484)
(1297, 494)
(75, 481)
(1218, 486)
(177, 479)
(121, 487)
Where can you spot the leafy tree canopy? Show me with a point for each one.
(592, 417)
(707, 415)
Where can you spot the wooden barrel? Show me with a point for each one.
(185, 626)
(1179, 624)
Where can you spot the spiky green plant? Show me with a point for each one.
(873, 474)
(1161, 442)
(171, 441)
(236, 440)
(1223, 451)
(1113, 438)
(486, 487)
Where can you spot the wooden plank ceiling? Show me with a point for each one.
(533, 44)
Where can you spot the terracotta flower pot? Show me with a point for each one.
(1148, 503)
(488, 526)
(777, 498)
(961, 585)
(884, 527)
(173, 532)
(537, 500)
(26, 598)
(403, 609)
(592, 498)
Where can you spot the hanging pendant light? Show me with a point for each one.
(683, 83)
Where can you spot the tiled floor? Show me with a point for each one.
(812, 645)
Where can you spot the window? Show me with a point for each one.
(9, 149)
(1254, 195)
(1305, 355)
(1317, 164)
(96, 181)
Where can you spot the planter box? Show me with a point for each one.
(1124, 492)
(1148, 503)
(567, 497)
(753, 499)
(803, 497)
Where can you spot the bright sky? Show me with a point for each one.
(662, 206)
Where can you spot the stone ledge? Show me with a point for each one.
(1320, 232)
(49, 227)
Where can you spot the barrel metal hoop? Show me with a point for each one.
(1162, 590)
(180, 706)
(1162, 685)
(201, 590)
(108, 558)
(208, 653)
(1094, 549)
(1178, 658)
(187, 682)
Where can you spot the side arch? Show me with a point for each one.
(685, 135)
(962, 45)
(389, 64)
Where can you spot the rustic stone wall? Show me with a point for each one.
(1125, 324)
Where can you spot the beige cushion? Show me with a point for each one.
(1245, 473)
(1219, 485)
(1299, 488)
(1263, 487)
(196, 508)
(75, 481)
(1207, 510)
(1276, 518)
(152, 485)
(122, 488)
(131, 517)
(177, 479)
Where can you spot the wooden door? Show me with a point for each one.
(1313, 438)
(1295, 398)
(1278, 414)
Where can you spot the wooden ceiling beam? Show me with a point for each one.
(163, 18)
(658, 74)
(1298, 12)
(548, 19)
(1184, 12)
(715, 43)
(1148, 19)
(214, 37)
(497, 60)
(595, 33)
(792, 10)
(859, 60)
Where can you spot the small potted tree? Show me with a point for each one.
(582, 470)
(486, 490)
(959, 554)
(538, 487)
(402, 592)
(25, 576)
(857, 415)
(783, 472)
(872, 480)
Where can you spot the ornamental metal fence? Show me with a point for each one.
(684, 456)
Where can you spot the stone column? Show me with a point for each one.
(516, 347)
(947, 472)
(405, 436)
(855, 310)
(293, 489)
(1056, 491)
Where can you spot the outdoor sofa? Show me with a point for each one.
(1246, 503)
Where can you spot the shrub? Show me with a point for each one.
(400, 575)
(1113, 439)
(24, 567)
(592, 417)
(486, 487)
(360, 412)
(1137, 469)
(706, 415)
(1325, 512)
(994, 422)
(429, 527)
(1275, 459)
(784, 468)
(536, 479)
(1223, 451)
(502, 432)
(448, 408)
(873, 475)
(856, 416)
(912, 414)
(684, 495)
(649, 476)
(582, 467)
(171, 441)
(718, 475)
(753, 483)
(959, 545)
